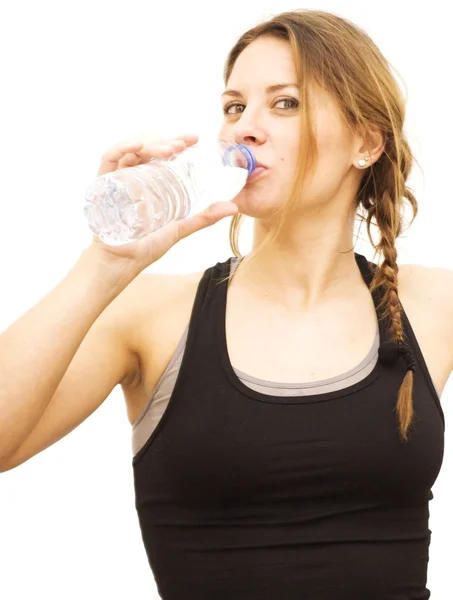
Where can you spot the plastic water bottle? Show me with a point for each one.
(131, 203)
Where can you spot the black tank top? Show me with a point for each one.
(247, 496)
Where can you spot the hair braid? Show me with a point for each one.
(385, 206)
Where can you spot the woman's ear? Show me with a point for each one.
(370, 146)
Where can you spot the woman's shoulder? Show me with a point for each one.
(426, 295)
(156, 291)
(159, 305)
(153, 294)
(428, 285)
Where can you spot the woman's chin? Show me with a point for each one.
(255, 205)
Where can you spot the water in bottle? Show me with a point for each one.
(131, 203)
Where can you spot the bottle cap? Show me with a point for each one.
(246, 153)
(251, 160)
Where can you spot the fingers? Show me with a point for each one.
(213, 214)
(112, 157)
(136, 152)
(150, 151)
(188, 138)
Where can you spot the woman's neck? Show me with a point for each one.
(304, 264)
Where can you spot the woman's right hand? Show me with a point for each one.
(141, 253)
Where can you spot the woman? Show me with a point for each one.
(249, 485)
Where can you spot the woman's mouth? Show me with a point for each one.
(258, 172)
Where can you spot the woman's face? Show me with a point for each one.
(268, 121)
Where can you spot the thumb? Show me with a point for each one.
(210, 216)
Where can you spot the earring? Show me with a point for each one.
(363, 162)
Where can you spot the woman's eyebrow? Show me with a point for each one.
(269, 90)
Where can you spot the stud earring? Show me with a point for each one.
(363, 162)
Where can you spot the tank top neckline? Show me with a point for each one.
(233, 374)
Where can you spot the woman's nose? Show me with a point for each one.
(247, 130)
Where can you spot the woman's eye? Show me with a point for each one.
(227, 108)
(291, 103)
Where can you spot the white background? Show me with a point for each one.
(76, 78)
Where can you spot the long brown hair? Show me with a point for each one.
(341, 57)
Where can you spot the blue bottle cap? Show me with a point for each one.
(251, 161)
(246, 153)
